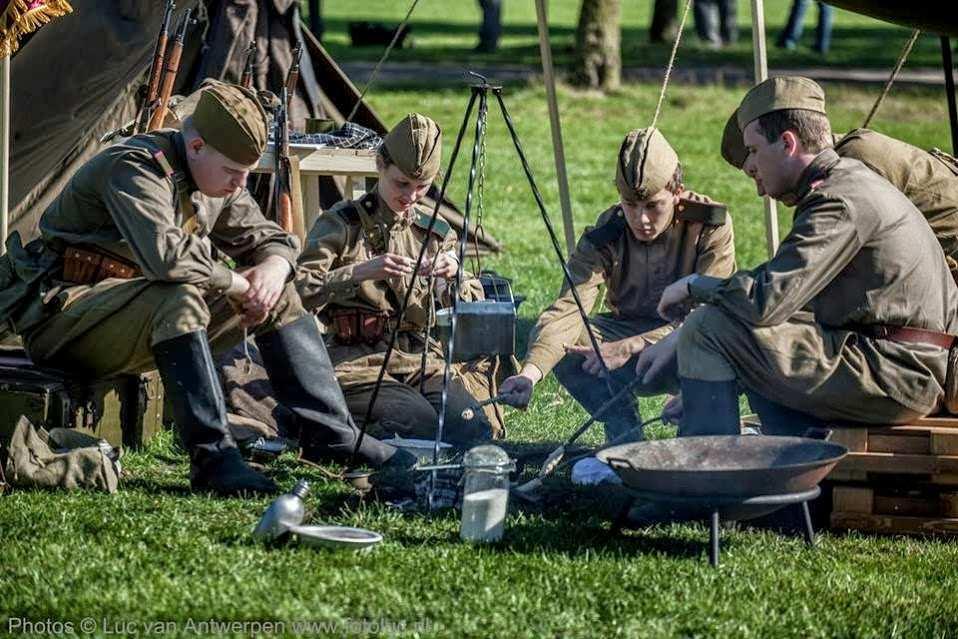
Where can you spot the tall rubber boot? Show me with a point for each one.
(303, 380)
(189, 379)
(709, 408)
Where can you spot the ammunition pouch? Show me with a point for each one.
(355, 326)
(87, 265)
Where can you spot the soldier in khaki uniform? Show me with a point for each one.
(928, 178)
(354, 273)
(636, 249)
(858, 256)
(126, 277)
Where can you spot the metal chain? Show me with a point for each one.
(478, 229)
(894, 75)
(372, 76)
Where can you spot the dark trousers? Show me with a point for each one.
(491, 27)
(781, 420)
(592, 392)
(715, 21)
(402, 410)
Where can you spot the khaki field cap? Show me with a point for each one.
(733, 145)
(645, 165)
(232, 120)
(777, 94)
(415, 146)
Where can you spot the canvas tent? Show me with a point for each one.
(77, 79)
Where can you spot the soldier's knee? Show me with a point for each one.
(702, 325)
(179, 309)
(569, 370)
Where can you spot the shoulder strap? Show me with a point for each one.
(180, 183)
(709, 214)
(440, 228)
(609, 232)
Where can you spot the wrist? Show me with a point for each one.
(238, 285)
(532, 373)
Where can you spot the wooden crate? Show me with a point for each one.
(923, 452)
(879, 510)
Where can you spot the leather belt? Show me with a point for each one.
(907, 335)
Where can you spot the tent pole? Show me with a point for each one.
(949, 68)
(545, 50)
(4, 151)
(761, 74)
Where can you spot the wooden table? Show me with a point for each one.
(357, 166)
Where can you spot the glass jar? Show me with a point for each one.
(485, 497)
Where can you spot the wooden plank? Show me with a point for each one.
(839, 474)
(323, 161)
(941, 422)
(891, 524)
(908, 443)
(852, 499)
(903, 464)
(907, 505)
(943, 443)
(949, 504)
(854, 439)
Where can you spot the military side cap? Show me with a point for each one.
(779, 93)
(415, 146)
(733, 144)
(232, 120)
(645, 165)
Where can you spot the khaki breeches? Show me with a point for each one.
(110, 328)
(798, 364)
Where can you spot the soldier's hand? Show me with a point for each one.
(446, 267)
(672, 412)
(657, 357)
(615, 355)
(516, 391)
(266, 283)
(383, 267)
(672, 304)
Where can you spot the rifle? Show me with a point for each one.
(169, 75)
(292, 78)
(282, 199)
(246, 81)
(156, 70)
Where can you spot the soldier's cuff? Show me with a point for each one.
(340, 284)
(221, 278)
(702, 287)
(287, 253)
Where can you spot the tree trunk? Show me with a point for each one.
(598, 62)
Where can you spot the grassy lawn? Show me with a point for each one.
(153, 552)
(445, 32)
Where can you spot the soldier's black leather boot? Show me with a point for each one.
(303, 380)
(199, 409)
(709, 408)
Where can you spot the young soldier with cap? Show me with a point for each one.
(354, 273)
(125, 277)
(858, 256)
(657, 233)
(928, 178)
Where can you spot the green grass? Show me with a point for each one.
(154, 552)
(445, 32)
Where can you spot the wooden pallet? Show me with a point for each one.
(924, 452)
(904, 511)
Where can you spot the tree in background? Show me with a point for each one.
(598, 59)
